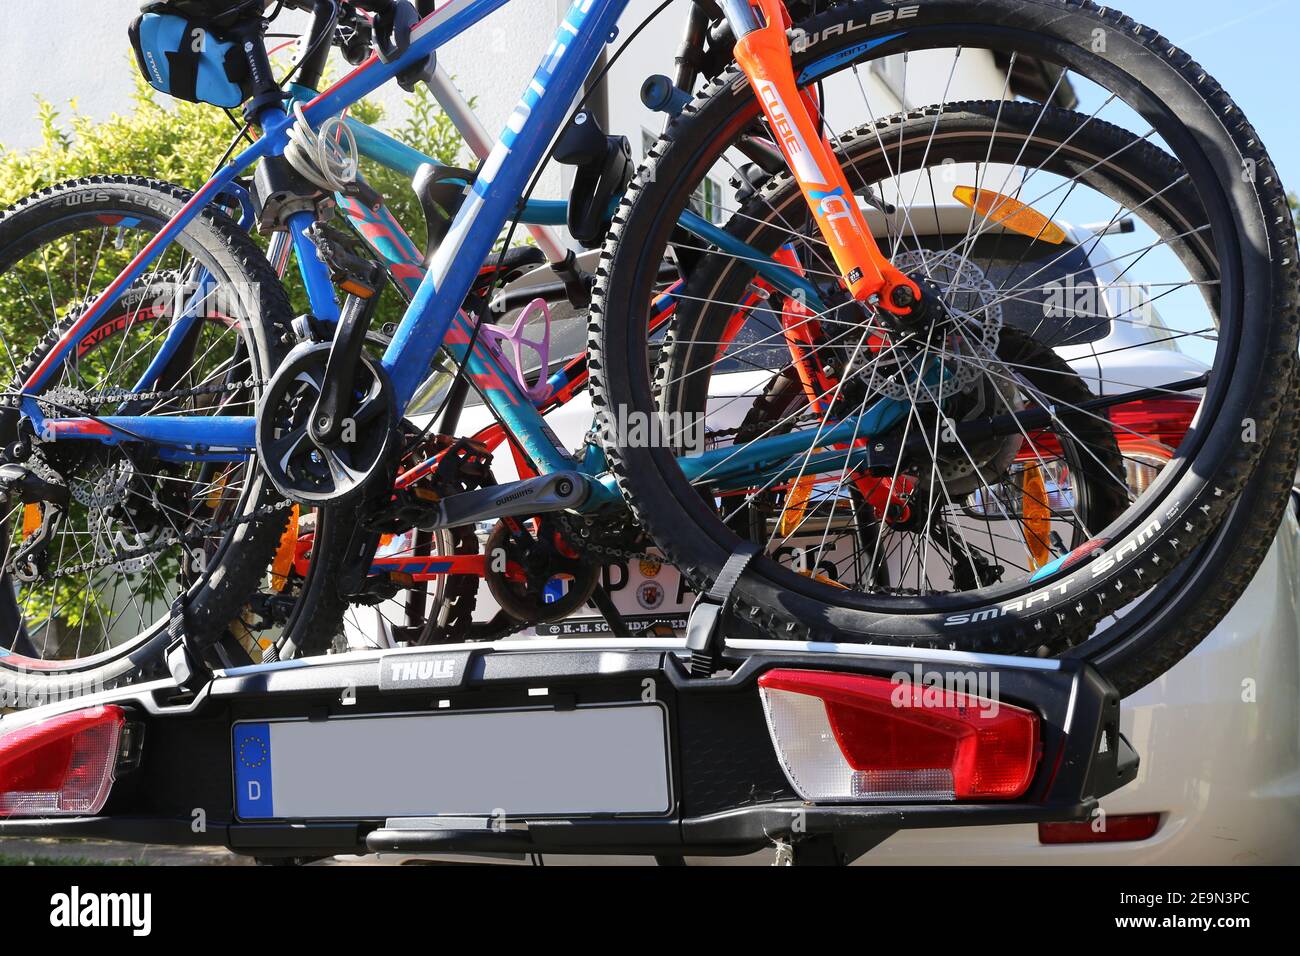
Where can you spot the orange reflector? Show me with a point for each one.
(218, 489)
(285, 552)
(796, 503)
(355, 288)
(1035, 516)
(1011, 213)
(824, 579)
(31, 519)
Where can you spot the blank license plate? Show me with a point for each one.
(591, 760)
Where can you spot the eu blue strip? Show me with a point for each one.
(254, 797)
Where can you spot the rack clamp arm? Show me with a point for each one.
(391, 27)
(184, 656)
(705, 637)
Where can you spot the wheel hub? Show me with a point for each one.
(957, 322)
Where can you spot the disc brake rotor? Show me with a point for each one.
(968, 334)
(106, 497)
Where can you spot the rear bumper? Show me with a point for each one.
(847, 830)
(730, 794)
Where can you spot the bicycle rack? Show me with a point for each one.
(727, 791)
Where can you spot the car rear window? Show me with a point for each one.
(1060, 305)
(1059, 301)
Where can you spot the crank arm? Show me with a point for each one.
(557, 491)
(328, 416)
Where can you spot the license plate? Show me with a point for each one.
(585, 761)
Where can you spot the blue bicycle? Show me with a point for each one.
(831, 374)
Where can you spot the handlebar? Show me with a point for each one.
(357, 27)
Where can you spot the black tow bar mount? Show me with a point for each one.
(728, 791)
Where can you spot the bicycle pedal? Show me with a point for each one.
(354, 274)
(407, 508)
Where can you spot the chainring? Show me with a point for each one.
(314, 474)
(525, 601)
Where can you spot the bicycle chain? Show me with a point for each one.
(87, 402)
(583, 536)
(194, 537)
(120, 396)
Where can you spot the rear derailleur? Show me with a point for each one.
(46, 499)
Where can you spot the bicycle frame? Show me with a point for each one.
(433, 319)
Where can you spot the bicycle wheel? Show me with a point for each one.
(1223, 240)
(140, 528)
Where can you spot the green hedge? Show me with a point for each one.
(181, 142)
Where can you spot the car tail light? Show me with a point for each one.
(1148, 432)
(1143, 460)
(63, 765)
(858, 737)
(1120, 828)
(1164, 420)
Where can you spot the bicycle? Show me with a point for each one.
(353, 32)
(867, 433)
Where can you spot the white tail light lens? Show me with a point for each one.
(855, 737)
(61, 766)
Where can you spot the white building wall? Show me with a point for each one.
(91, 60)
(92, 63)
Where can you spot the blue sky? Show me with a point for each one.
(1252, 47)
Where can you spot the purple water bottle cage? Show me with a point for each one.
(494, 336)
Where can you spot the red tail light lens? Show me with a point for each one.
(1148, 432)
(1118, 828)
(63, 765)
(1165, 420)
(859, 737)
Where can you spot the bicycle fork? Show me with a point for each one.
(763, 53)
